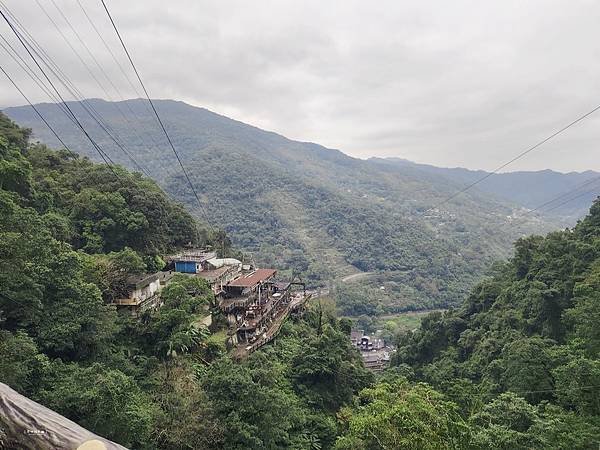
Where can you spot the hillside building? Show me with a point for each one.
(142, 293)
(191, 261)
(374, 351)
(219, 271)
(250, 303)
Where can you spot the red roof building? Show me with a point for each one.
(253, 279)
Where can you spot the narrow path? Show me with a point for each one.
(356, 276)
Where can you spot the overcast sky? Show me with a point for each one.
(451, 83)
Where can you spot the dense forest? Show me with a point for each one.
(305, 208)
(515, 366)
(70, 232)
(520, 357)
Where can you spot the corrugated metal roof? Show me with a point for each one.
(212, 275)
(254, 278)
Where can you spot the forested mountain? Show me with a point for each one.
(521, 355)
(528, 189)
(305, 207)
(69, 232)
(516, 366)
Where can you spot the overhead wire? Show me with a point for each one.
(38, 113)
(563, 195)
(519, 156)
(121, 69)
(100, 68)
(87, 106)
(149, 134)
(15, 56)
(112, 134)
(104, 157)
(162, 126)
(582, 194)
(34, 76)
(109, 49)
(32, 47)
(57, 72)
(24, 65)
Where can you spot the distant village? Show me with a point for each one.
(253, 301)
(374, 351)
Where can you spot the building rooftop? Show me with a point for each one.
(212, 275)
(254, 278)
(195, 255)
(141, 281)
(220, 262)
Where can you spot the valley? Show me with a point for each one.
(312, 210)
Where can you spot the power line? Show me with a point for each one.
(565, 194)
(122, 70)
(99, 66)
(71, 88)
(109, 50)
(94, 144)
(104, 126)
(47, 60)
(31, 73)
(571, 199)
(10, 51)
(38, 113)
(519, 156)
(14, 54)
(154, 110)
(57, 72)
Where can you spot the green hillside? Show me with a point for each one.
(311, 209)
(516, 366)
(526, 188)
(69, 233)
(521, 355)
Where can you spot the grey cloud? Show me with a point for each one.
(464, 83)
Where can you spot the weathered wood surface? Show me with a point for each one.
(25, 424)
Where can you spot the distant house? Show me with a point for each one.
(252, 303)
(249, 282)
(219, 272)
(191, 261)
(374, 352)
(142, 293)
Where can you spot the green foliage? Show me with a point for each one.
(520, 356)
(105, 400)
(106, 214)
(311, 210)
(20, 361)
(286, 395)
(327, 372)
(509, 422)
(400, 416)
(70, 236)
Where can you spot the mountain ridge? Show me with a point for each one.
(527, 188)
(310, 209)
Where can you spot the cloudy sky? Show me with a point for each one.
(461, 83)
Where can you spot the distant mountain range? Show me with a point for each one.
(529, 189)
(312, 209)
